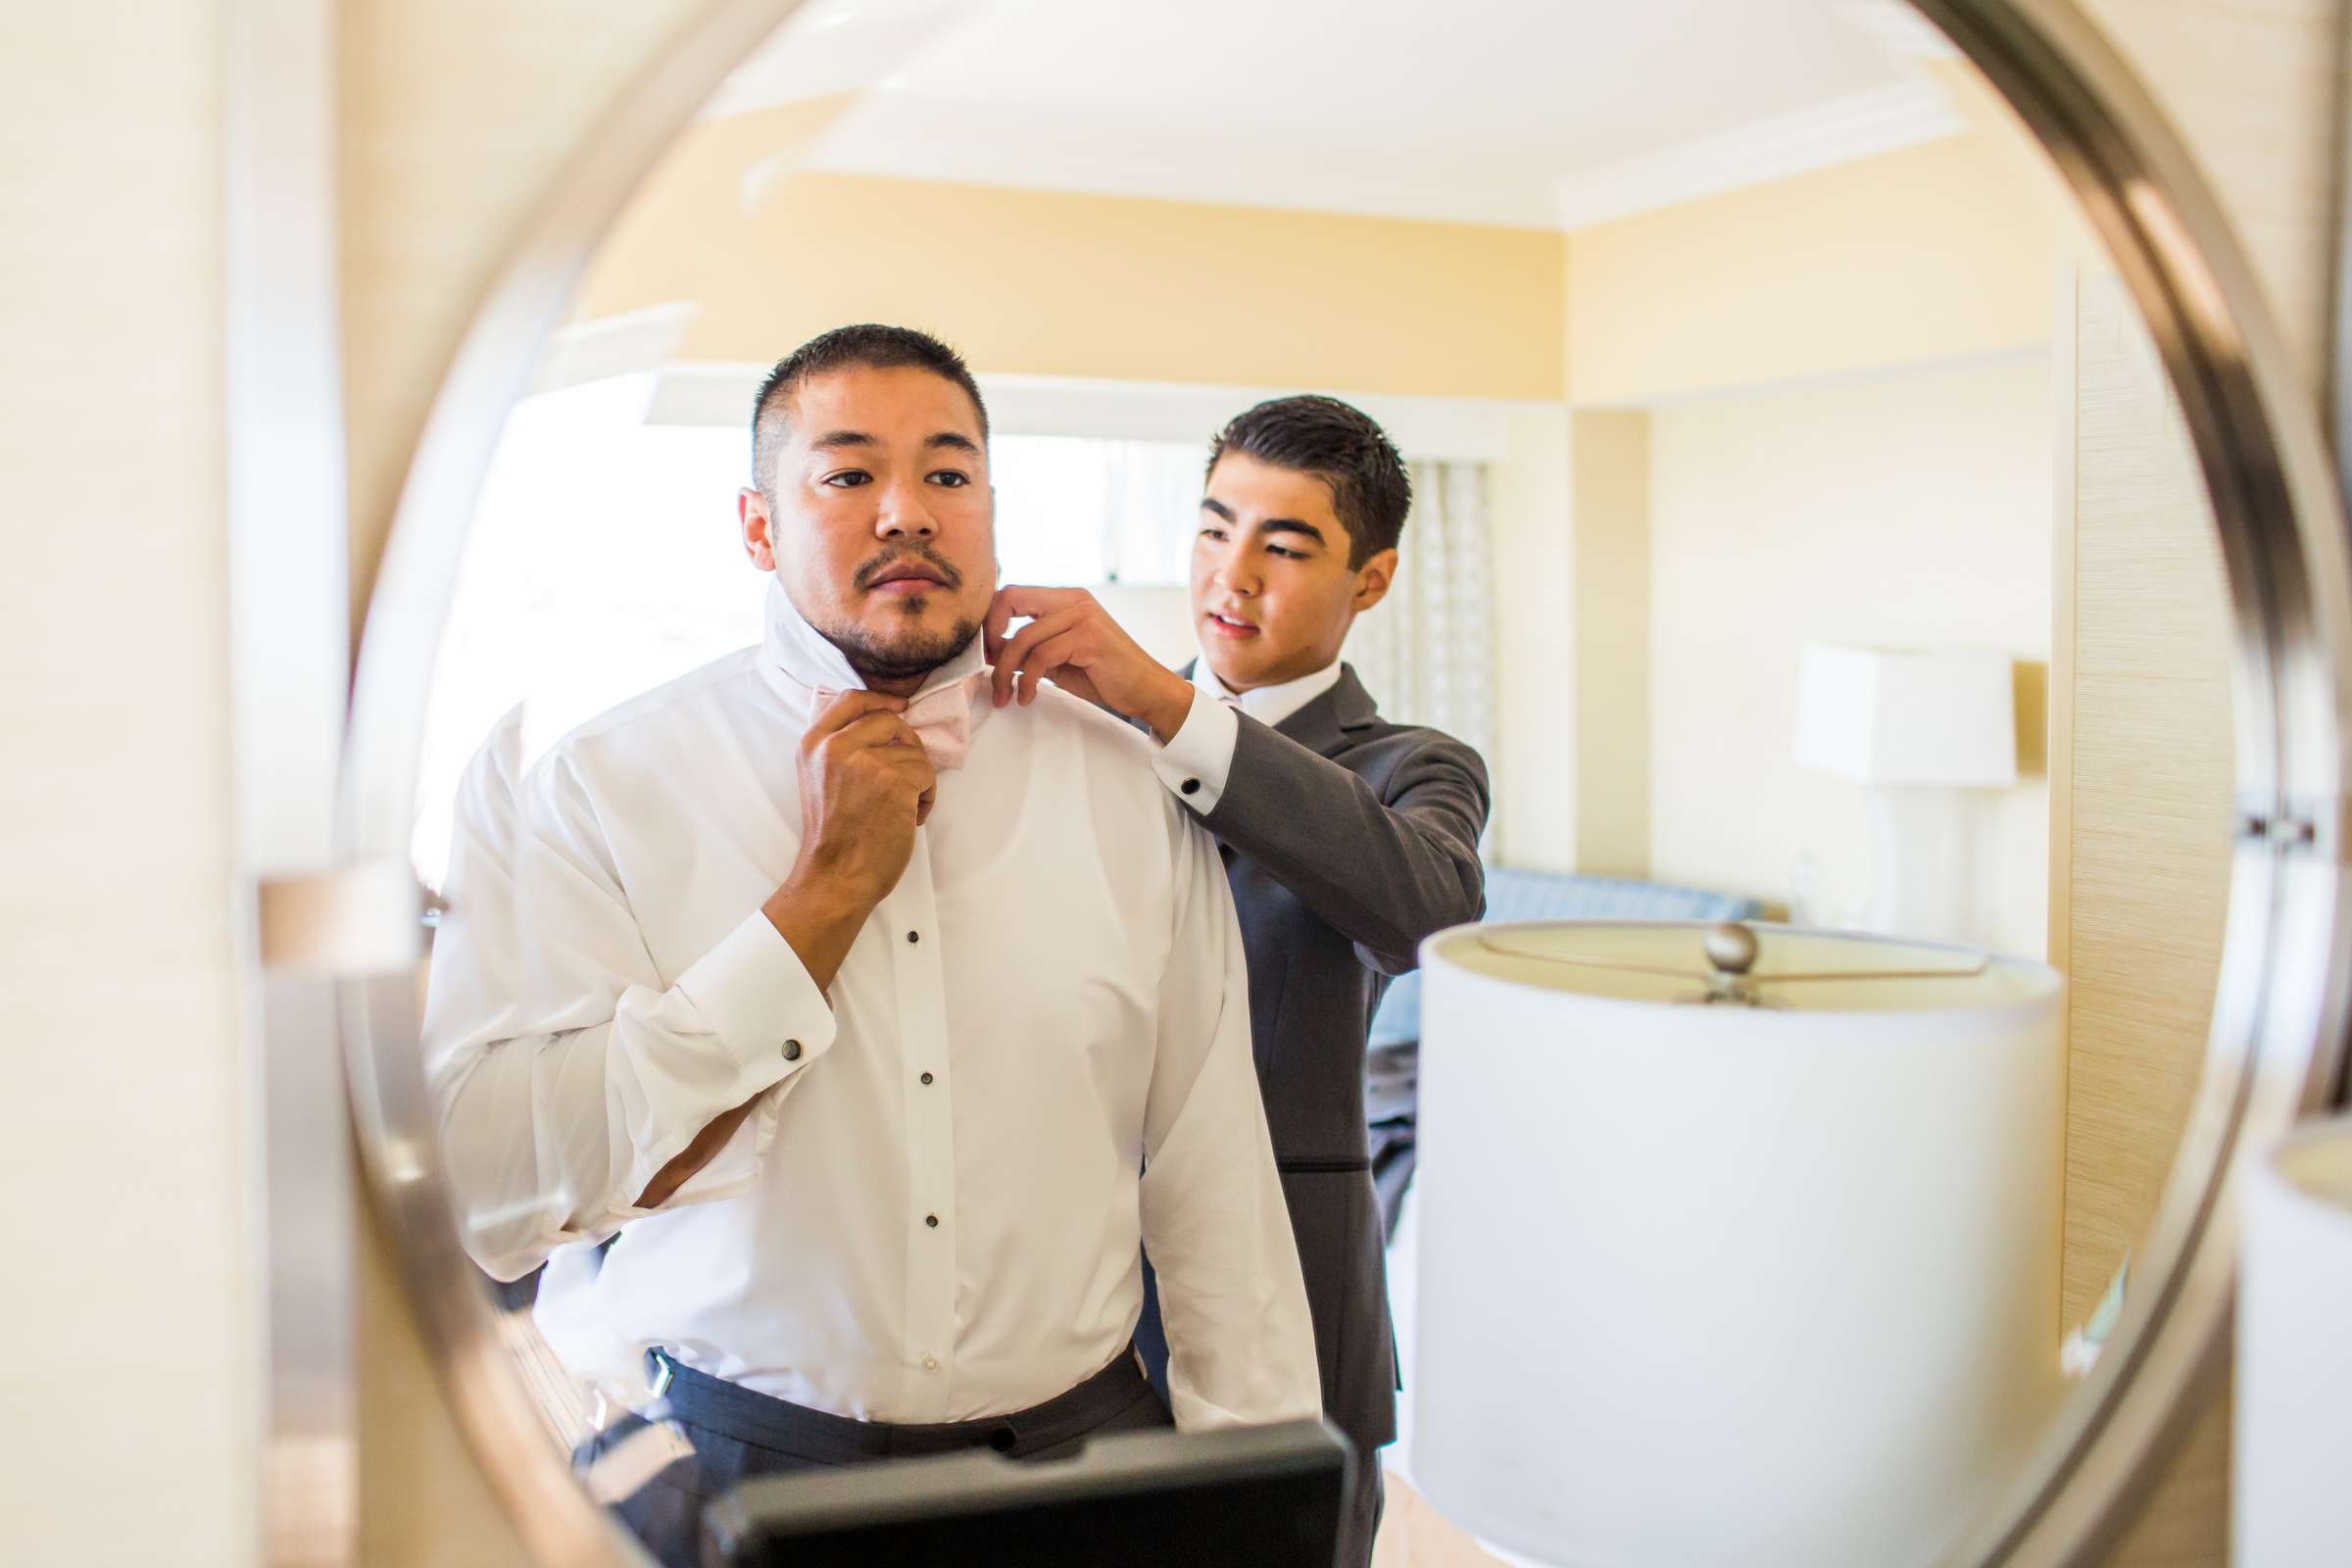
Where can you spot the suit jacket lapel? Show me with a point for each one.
(1325, 725)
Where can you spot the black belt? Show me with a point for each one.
(730, 1410)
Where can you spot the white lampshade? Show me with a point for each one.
(2294, 1424)
(1880, 716)
(1720, 1285)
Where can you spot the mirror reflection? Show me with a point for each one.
(1059, 546)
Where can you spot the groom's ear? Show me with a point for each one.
(758, 538)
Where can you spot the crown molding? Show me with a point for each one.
(1843, 131)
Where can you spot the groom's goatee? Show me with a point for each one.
(899, 657)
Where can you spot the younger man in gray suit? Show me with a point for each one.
(1347, 839)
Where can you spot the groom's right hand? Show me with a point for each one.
(866, 786)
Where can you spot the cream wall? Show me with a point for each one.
(1908, 508)
(1054, 284)
(1534, 768)
(1571, 548)
(1610, 488)
(1934, 252)
(1761, 299)
(131, 1394)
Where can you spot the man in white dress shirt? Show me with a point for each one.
(879, 1026)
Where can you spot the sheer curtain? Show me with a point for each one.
(1427, 652)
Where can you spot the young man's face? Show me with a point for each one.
(878, 518)
(1273, 595)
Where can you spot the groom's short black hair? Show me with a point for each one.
(868, 345)
(1339, 444)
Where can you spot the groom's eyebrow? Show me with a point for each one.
(949, 440)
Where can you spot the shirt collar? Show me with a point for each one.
(1270, 705)
(796, 654)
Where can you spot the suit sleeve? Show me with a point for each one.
(1384, 870)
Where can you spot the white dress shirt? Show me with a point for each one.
(1198, 758)
(1036, 1056)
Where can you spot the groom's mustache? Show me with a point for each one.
(863, 577)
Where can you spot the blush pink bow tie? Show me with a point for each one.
(941, 719)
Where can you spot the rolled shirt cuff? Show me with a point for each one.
(1197, 759)
(760, 999)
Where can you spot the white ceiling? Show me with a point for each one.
(1534, 113)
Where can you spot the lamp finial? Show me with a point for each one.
(1731, 948)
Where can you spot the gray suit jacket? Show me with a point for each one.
(1348, 840)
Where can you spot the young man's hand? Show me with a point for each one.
(1073, 640)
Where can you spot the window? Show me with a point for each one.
(1073, 509)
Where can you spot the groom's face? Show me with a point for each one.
(878, 517)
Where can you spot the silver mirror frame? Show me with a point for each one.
(2276, 1047)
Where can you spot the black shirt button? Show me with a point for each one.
(1190, 786)
(931, 1221)
(927, 1077)
(914, 936)
(792, 1051)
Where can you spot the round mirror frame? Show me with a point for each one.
(2276, 1044)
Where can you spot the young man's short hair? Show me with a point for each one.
(1341, 446)
(865, 346)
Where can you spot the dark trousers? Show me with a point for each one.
(738, 1434)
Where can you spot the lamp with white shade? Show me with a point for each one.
(2293, 1423)
(1767, 1281)
(1921, 731)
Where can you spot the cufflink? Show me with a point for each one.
(1190, 786)
(792, 1051)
